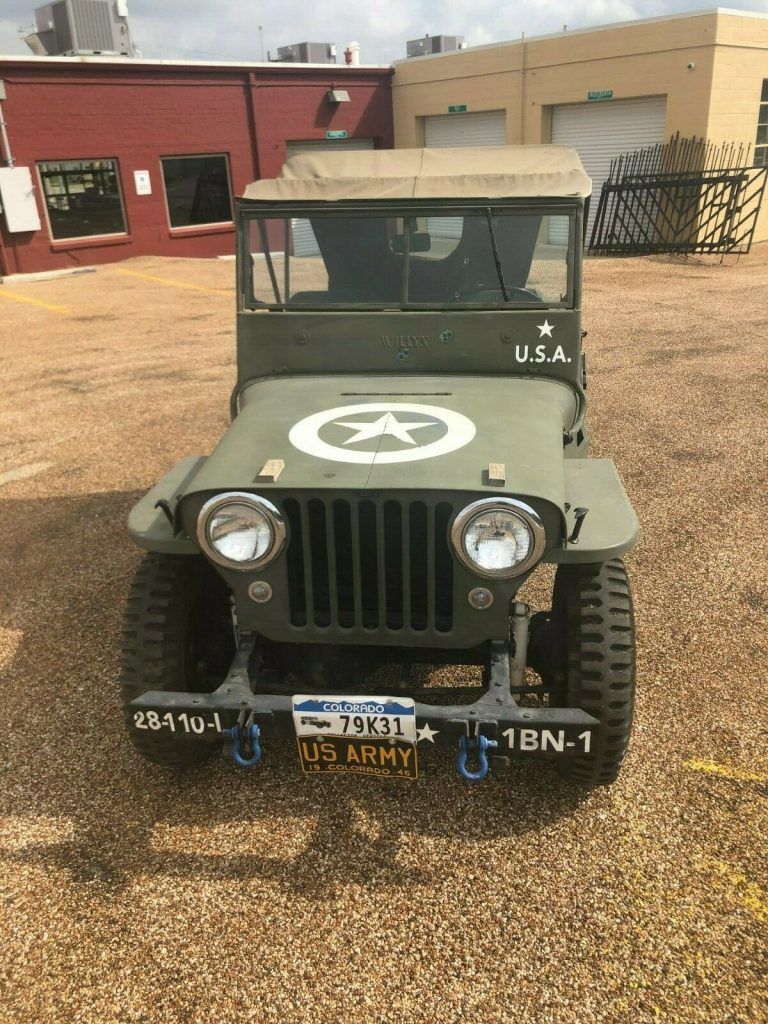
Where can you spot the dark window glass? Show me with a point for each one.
(764, 94)
(424, 258)
(83, 198)
(761, 156)
(763, 117)
(197, 190)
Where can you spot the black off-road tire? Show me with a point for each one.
(592, 606)
(177, 635)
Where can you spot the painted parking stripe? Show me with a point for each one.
(5, 294)
(725, 771)
(171, 282)
(742, 889)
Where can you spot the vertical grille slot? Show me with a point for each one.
(297, 598)
(342, 532)
(394, 550)
(318, 546)
(419, 546)
(443, 579)
(370, 565)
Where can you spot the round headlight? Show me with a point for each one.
(498, 537)
(240, 530)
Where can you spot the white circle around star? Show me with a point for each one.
(368, 421)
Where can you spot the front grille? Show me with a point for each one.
(370, 564)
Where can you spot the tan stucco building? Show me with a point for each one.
(604, 90)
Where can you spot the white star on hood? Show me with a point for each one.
(545, 328)
(384, 425)
(426, 732)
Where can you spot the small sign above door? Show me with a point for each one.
(600, 94)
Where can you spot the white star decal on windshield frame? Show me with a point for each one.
(385, 425)
(426, 732)
(545, 328)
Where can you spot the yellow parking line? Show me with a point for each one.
(725, 771)
(4, 293)
(749, 894)
(175, 284)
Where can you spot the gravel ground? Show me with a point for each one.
(131, 895)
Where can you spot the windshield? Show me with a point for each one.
(421, 259)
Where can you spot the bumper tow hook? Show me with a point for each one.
(479, 745)
(243, 747)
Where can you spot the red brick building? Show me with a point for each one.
(133, 157)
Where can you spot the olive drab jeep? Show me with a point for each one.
(407, 447)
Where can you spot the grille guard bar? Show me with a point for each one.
(494, 713)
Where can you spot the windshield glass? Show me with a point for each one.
(418, 259)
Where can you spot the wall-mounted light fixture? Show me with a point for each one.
(337, 96)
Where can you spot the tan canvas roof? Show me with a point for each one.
(492, 172)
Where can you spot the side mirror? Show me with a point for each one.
(420, 241)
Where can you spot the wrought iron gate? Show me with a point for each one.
(681, 196)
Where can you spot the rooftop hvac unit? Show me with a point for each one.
(82, 27)
(307, 53)
(434, 44)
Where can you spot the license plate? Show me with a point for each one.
(356, 735)
(573, 740)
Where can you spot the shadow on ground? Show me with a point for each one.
(77, 798)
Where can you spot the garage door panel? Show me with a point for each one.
(600, 131)
(483, 128)
(304, 242)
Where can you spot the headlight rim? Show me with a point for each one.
(529, 516)
(264, 506)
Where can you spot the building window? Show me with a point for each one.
(197, 190)
(761, 142)
(83, 198)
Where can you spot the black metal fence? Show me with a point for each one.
(682, 196)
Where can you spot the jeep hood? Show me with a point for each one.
(395, 433)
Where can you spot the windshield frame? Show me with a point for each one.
(248, 211)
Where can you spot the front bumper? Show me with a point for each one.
(495, 715)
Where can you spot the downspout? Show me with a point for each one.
(7, 155)
(522, 88)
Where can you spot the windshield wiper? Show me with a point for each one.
(496, 256)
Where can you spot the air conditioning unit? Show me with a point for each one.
(73, 28)
(434, 44)
(307, 53)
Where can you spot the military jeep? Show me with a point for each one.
(407, 447)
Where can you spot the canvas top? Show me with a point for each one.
(491, 172)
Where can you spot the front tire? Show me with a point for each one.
(177, 635)
(592, 606)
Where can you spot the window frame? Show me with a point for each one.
(421, 207)
(207, 224)
(120, 194)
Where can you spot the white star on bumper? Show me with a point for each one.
(426, 732)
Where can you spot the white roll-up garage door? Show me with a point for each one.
(484, 128)
(304, 243)
(600, 131)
